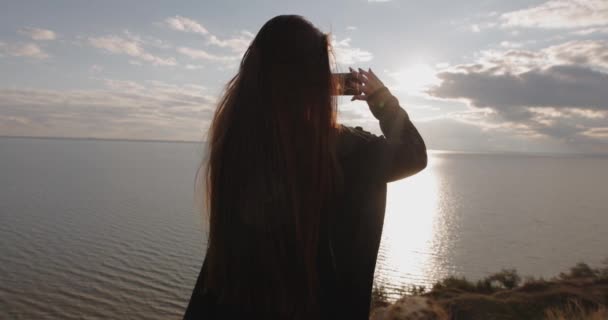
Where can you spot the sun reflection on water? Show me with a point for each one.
(406, 255)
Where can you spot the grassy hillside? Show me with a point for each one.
(580, 293)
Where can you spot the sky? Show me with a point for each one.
(480, 76)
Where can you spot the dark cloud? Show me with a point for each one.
(559, 92)
(565, 86)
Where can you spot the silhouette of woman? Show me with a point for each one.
(295, 200)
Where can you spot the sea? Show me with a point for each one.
(99, 229)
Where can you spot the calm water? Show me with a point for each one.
(101, 229)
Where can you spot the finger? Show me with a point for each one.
(368, 76)
(376, 79)
(367, 90)
(358, 97)
(373, 75)
(363, 78)
(363, 72)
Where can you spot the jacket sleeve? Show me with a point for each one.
(401, 151)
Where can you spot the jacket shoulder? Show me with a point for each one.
(351, 138)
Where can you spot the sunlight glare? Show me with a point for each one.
(409, 228)
(416, 78)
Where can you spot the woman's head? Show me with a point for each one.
(288, 64)
(272, 170)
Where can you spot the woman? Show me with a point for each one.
(295, 200)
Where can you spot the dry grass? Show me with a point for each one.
(575, 310)
(411, 308)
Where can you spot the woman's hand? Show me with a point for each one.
(370, 83)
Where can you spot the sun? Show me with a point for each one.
(415, 79)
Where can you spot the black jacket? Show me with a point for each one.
(350, 238)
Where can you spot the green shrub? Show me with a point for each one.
(457, 283)
(505, 279)
(580, 270)
(379, 297)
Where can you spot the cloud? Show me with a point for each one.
(38, 34)
(96, 68)
(131, 47)
(180, 23)
(237, 43)
(598, 133)
(454, 133)
(146, 40)
(351, 28)
(556, 14)
(28, 50)
(590, 53)
(510, 44)
(198, 54)
(559, 91)
(347, 55)
(194, 66)
(586, 32)
(122, 109)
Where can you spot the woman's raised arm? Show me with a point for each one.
(401, 151)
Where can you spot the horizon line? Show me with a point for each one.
(433, 151)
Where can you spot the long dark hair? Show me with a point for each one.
(271, 172)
